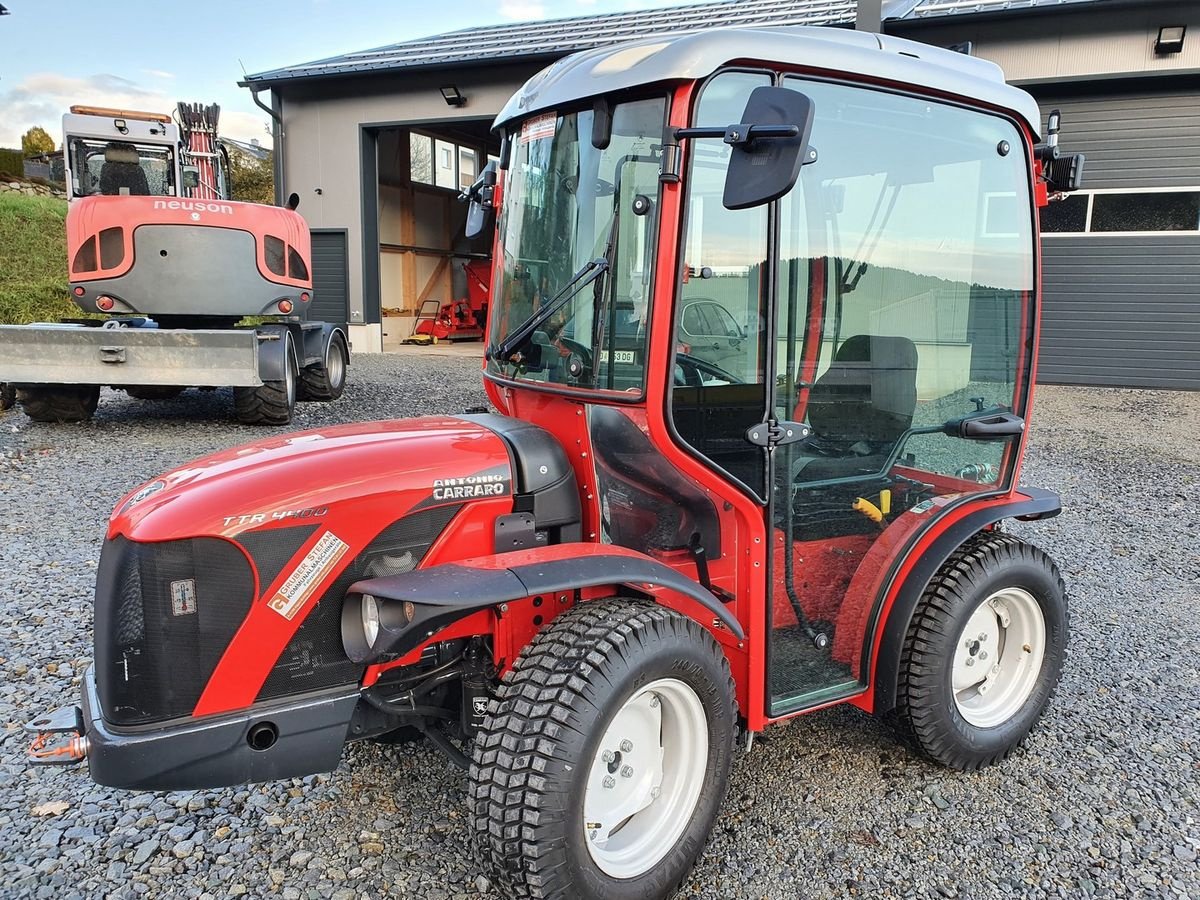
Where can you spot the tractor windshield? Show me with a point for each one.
(112, 168)
(577, 232)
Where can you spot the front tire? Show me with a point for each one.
(326, 380)
(605, 756)
(59, 402)
(272, 402)
(983, 653)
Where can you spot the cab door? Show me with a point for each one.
(903, 290)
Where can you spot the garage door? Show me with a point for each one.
(1121, 264)
(331, 278)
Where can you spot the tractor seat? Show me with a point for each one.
(122, 172)
(859, 409)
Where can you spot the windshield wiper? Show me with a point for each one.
(590, 271)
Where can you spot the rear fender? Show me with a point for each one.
(272, 352)
(922, 563)
(313, 342)
(414, 606)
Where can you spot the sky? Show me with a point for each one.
(148, 54)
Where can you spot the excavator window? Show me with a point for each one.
(121, 168)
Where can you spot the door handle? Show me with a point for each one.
(992, 426)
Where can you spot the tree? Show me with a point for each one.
(252, 179)
(36, 141)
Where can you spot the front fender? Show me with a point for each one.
(415, 604)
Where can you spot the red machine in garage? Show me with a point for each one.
(590, 597)
(462, 320)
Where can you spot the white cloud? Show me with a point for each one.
(42, 99)
(245, 126)
(159, 73)
(522, 9)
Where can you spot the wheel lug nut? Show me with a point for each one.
(608, 756)
(609, 781)
(627, 771)
(983, 654)
(970, 660)
(655, 791)
(626, 746)
(982, 638)
(654, 701)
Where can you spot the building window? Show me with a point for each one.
(1176, 211)
(420, 148)
(1173, 211)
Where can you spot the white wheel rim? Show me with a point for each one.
(335, 365)
(998, 657)
(645, 780)
(289, 377)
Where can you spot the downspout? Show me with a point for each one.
(276, 137)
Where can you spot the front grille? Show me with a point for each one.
(165, 612)
(314, 658)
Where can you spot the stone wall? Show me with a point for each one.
(30, 189)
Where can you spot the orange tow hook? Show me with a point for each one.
(59, 738)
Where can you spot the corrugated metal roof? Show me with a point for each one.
(559, 37)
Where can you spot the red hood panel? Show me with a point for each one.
(294, 476)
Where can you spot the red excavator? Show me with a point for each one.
(170, 266)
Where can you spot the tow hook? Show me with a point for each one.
(59, 738)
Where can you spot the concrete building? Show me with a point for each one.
(378, 143)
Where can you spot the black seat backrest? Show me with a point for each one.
(122, 169)
(869, 392)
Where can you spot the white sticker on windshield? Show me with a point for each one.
(539, 127)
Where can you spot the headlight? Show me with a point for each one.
(370, 618)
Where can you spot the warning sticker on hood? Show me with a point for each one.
(303, 582)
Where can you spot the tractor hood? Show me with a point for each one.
(305, 475)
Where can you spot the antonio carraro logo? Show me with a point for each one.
(470, 487)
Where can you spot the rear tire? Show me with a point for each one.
(153, 391)
(558, 811)
(273, 402)
(983, 653)
(326, 380)
(59, 402)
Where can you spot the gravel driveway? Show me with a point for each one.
(1103, 801)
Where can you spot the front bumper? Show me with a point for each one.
(269, 741)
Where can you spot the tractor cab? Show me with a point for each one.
(859, 221)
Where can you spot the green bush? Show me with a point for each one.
(33, 260)
(12, 161)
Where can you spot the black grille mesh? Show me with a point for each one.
(314, 658)
(165, 612)
(272, 549)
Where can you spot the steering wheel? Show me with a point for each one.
(690, 371)
(579, 360)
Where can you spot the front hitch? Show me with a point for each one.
(59, 738)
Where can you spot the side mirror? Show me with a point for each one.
(293, 201)
(764, 166)
(191, 177)
(479, 195)
(769, 146)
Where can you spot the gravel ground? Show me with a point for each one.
(1102, 801)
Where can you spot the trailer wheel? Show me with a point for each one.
(605, 755)
(59, 402)
(983, 653)
(273, 402)
(327, 379)
(153, 391)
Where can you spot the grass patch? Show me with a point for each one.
(33, 260)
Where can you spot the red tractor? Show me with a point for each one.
(589, 599)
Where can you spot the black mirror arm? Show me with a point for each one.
(739, 134)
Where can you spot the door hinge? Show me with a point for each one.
(774, 434)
